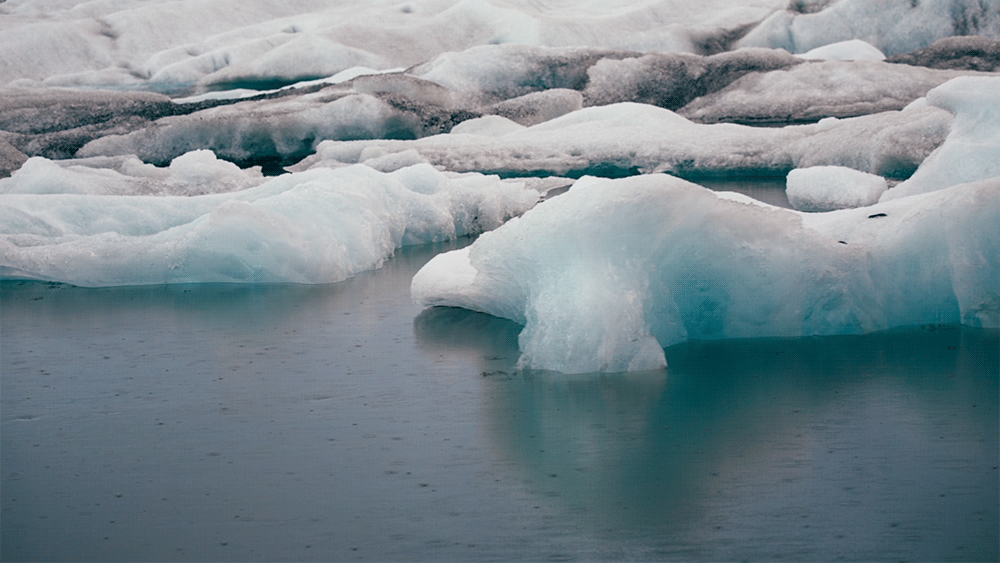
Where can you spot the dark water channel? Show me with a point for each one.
(341, 423)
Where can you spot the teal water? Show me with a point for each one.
(342, 423)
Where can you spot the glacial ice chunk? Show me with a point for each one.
(628, 138)
(827, 188)
(893, 26)
(817, 89)
(319, 226)
(607, 274)
(972, 149)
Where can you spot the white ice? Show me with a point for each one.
(893, 26)
(604, 276)
(818, 89)
(972, 149)
(195, 173)
(651, 139)
(320, 226)
(287, 128)
(850, 50)
(211, 45)
(828, 188)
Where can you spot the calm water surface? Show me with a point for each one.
(342, 423)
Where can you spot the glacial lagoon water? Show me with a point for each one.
(342, 423)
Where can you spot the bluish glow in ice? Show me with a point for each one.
(319, 226)
(606, 275)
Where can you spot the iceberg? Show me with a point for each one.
(606, 275)
(319, 226)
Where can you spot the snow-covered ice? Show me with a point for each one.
(818, 89)
(892, 26)
(828, 188)
(850, 50)
(627, 137)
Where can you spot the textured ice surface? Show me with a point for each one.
(319, 226)
(972, 149)
(818, 89)
(607, 274)
(628, 138)
(827, 188)
(671, 80)
(285, 129)
(264, 42)
(10, 159)
(893, 26)
(969, 53)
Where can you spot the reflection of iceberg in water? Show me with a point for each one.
(454, 330)
(788, 448)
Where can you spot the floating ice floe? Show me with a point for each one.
(320, 226)
(828, 188)
(604, 276)
(628, 138)
(252, 131)
(817, 89)
(527, 84)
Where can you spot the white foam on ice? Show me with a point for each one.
(319, 226)
(607, 274)
(827, 188)
(972, 149)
